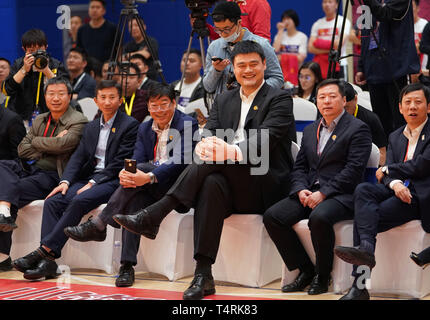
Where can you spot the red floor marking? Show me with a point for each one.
(39, 290)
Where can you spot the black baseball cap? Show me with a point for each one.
(350, 92)
(226, 10)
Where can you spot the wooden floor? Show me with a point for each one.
(156, 282)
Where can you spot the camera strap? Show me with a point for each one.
(129, 108)
(38, 89)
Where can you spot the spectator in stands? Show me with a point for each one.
(321, 36)
(12, 131)
(71, 36)
(385, 64)
(25, 82)
(219, 74)
(425, 44)
(43, 155)
(84, 86)
(140, 45)
(143, 65)
(134, 99)
(309, 77)
(369, 118)
(97, 37)
(89, 179)
(419, 25)
(94, 69)
(156, 172)
(403, 193)
(216, 188)
(330, 164)
(115, 73)
(290, 45)
(4, 73)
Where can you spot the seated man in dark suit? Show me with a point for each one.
(159, 163)
(256, 121)
(12, 131)
(330, 164)
(368, 117)
(43, 154)
(90, 177)
(143, 65)
(84, 86)
(403, 193)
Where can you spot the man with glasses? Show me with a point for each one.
(161, 153)
(43, 154)
(219, 74)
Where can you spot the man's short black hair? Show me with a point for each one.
(81, 51)
(415, 87)
(290, 13)
(337, 82)
(417, 2)
(158, 90)
(59, 80)
(195, 51)
(226, 10)
(4, 59)
(105, 84)
(247, 46)
(103, 2)
(349, 90)
(141, 58)
(34, 37)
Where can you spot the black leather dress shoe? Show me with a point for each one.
(319, 285)
(201, 286)
(6, 265)
(356, 294)
(139, 223)
(415, 258)
(125, 276)
(300, 283)
(355, 256)
(46, 268)
(86, 231)
(7, 223)
(27, 262)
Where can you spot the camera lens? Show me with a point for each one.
(40, 59)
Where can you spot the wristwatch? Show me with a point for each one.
(23, 71)
(152, 177)
(384, 170)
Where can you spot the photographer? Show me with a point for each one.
(25, 82)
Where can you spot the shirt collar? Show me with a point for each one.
(108, 124)
(252, 95)
(334, 122)
(156, 129)
(415, 132)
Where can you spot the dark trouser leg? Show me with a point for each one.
(321, 222)
(77, 205)
(29, 188)
(279, 220)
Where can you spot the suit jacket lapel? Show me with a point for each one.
(113, 132)
(340, 127)
(422, 139)
(234, 113)
(256, 104)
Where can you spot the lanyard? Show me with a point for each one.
(127, 107)
(38, 89)
(7, 101)
(318, 137)
(356, 111)
(406, 155)
(155, 149)
(79, 81)
(47, 127)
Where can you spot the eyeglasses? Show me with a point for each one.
(305, 77)
(160, 107)
(51, 94)
(225, 30)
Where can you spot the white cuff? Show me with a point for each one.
(64, 181)
(392, 183)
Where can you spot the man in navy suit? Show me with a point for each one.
(164, 145)
(330, 164)
(90, 177)
(403, 193)
(243, 167)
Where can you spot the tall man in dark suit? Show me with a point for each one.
(248, 122)
(404, 190)
(90, 177)
(161, 152)
(331, 162)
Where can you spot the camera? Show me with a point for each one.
(132, 2)
(200, 11)
(41, 59)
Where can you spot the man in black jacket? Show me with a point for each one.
(388, 56)
(12, 131)
(25, 82)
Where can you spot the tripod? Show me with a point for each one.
(128, 14)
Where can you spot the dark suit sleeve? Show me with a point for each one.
(389, 161)
(10, 86)
(276, 126)
(125, 150)
(88, 88)
(301, 167)
(395, 9)
(213, 121)
(16, 132)
(140, 154)
(425, 40)
(352, 173)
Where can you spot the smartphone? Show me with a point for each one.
(217, 59)
(130, 165)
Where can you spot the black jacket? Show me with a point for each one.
(12, 131)
(23, 95)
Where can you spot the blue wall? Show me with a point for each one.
(166, 20)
